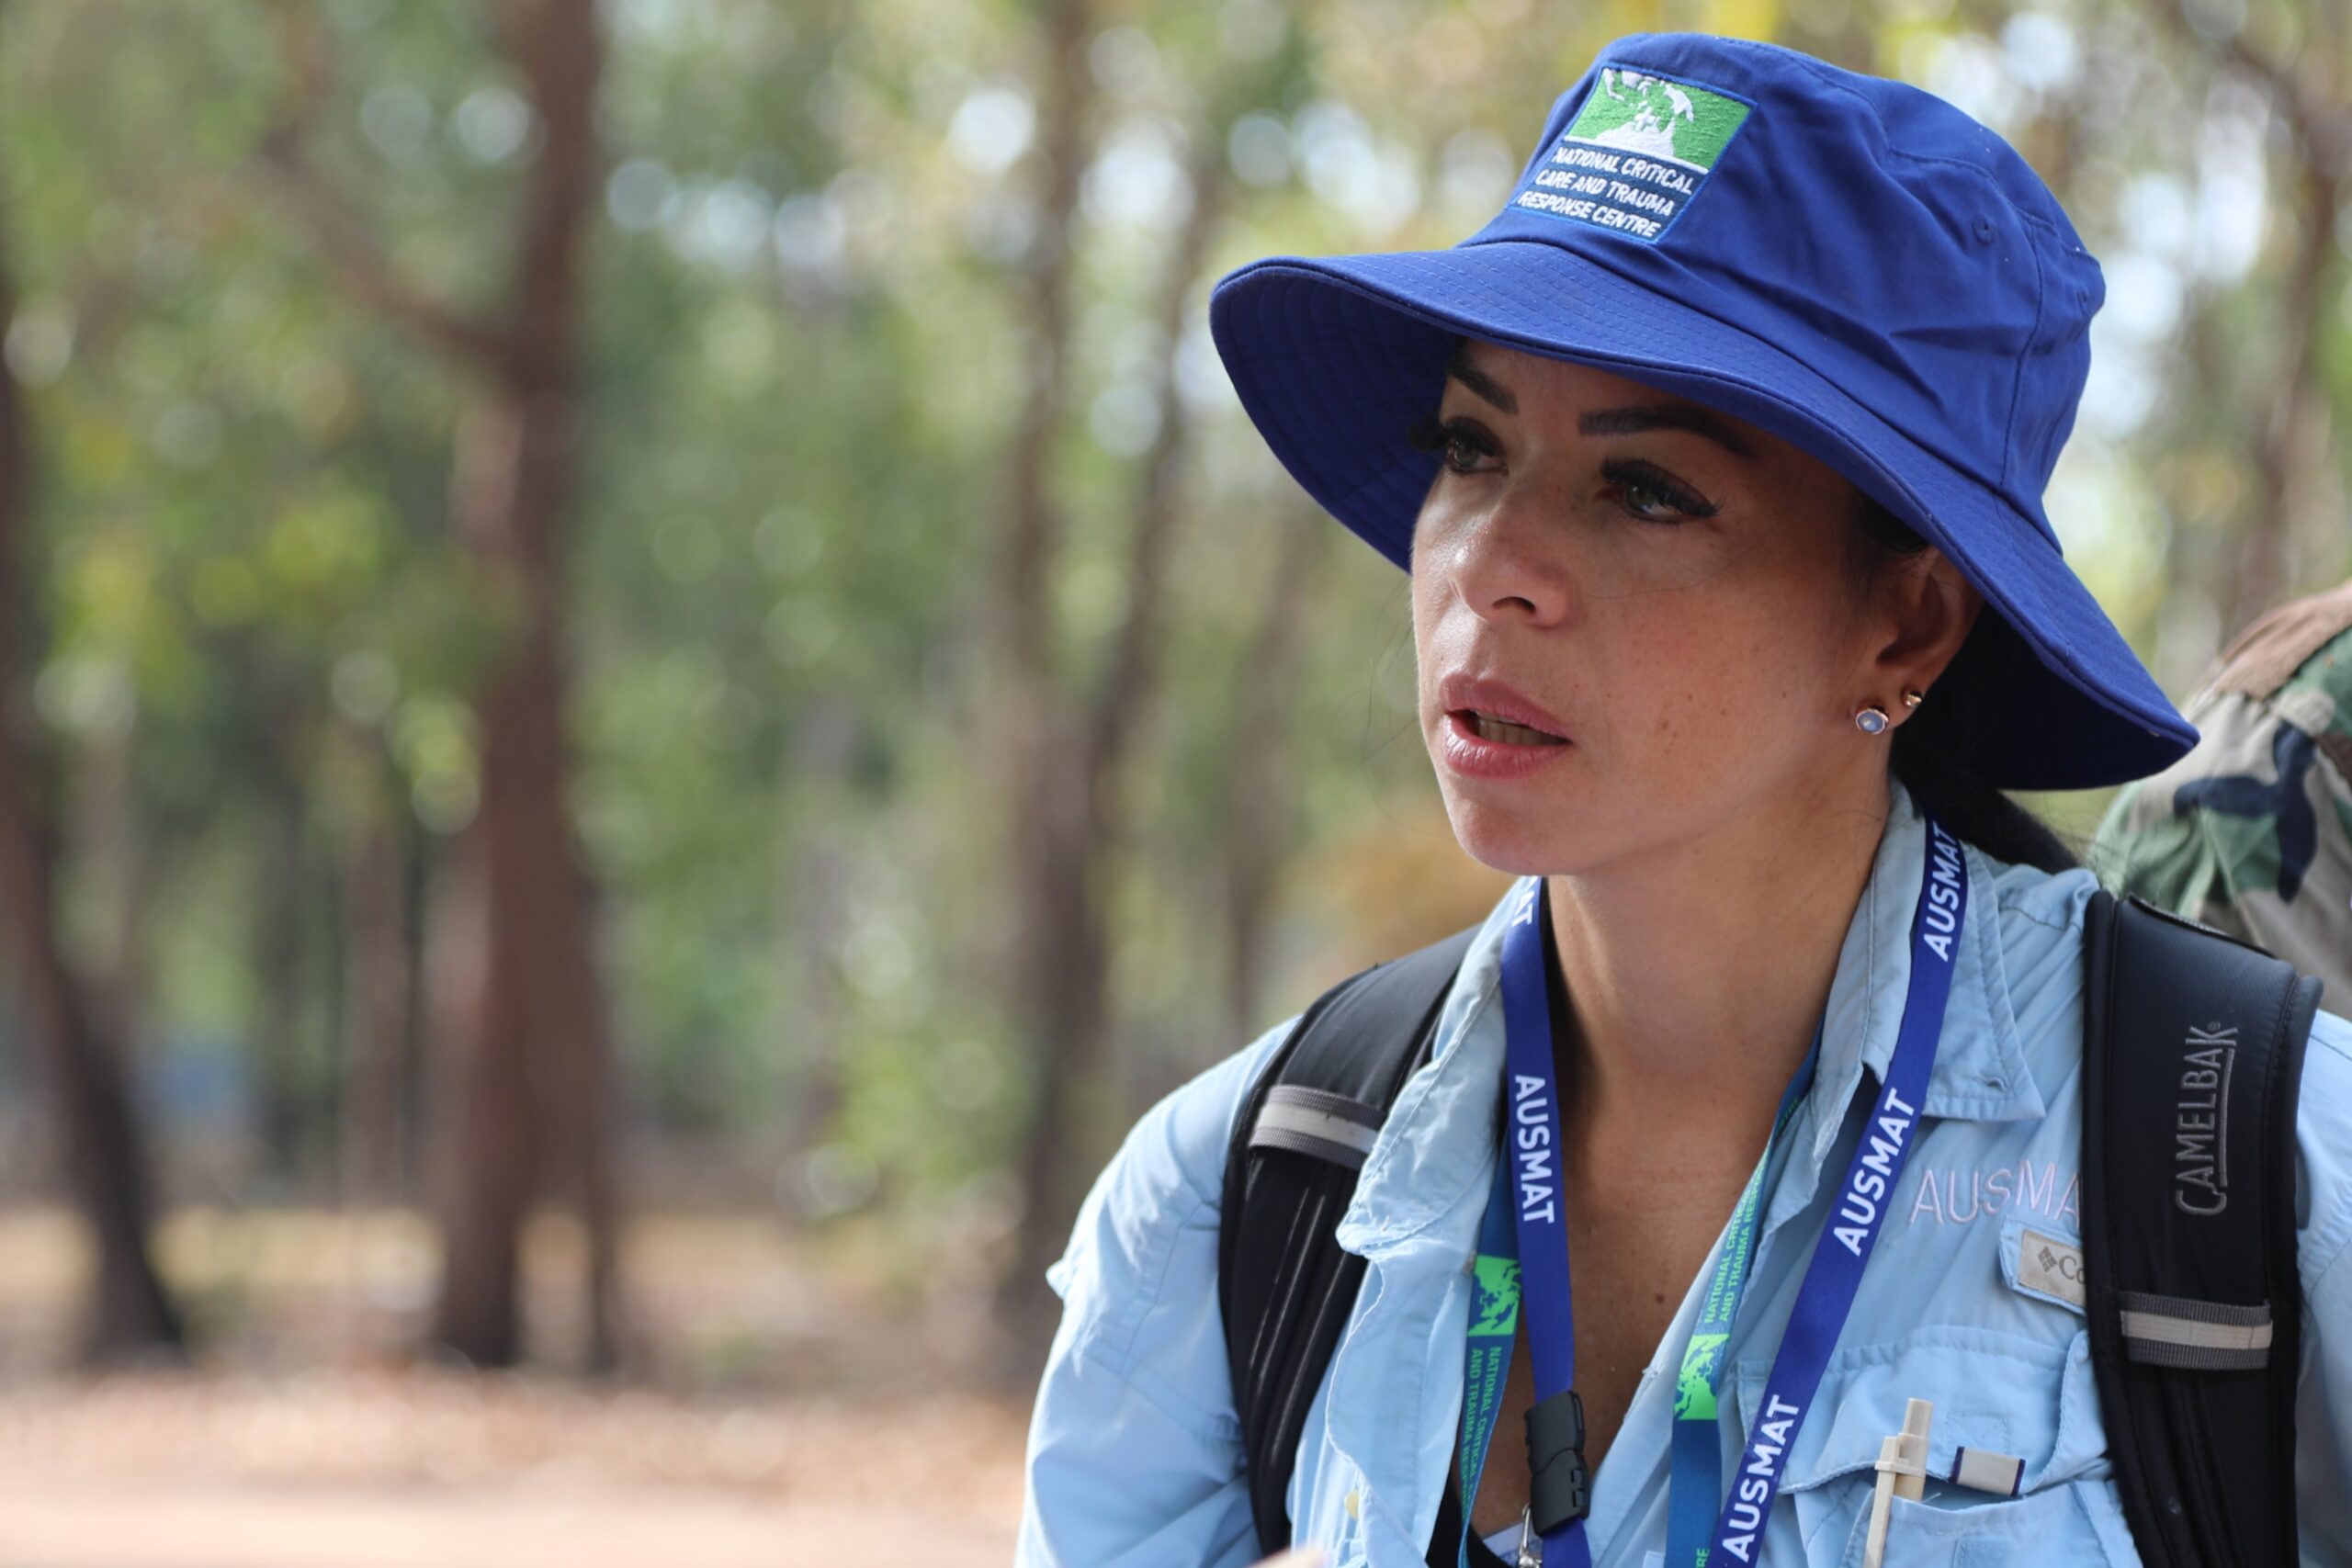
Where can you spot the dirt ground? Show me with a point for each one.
(789, 1417)
(205, 1471)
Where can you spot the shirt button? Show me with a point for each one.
(1354, 1502)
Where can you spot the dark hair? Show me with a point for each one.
(1933, 746)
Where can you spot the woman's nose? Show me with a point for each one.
(1506, 562)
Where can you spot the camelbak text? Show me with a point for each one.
(2200, 1135)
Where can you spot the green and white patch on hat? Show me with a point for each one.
(1635, 155)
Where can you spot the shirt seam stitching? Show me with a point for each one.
(1160, 1286)
(1216, 1427)
(2061, 927)
(1207, 1426)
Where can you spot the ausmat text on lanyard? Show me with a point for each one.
(1559, 1485)
(1494, 1320)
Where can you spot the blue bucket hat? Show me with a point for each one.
(1849, 263)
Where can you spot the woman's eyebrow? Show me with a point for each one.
(1460, 369)
(1664, 416)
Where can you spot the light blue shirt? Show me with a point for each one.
(1134, 1454)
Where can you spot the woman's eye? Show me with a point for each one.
(1458, 443)
(1651, 496)
(1647, 499)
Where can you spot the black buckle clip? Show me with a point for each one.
(1559, 1486)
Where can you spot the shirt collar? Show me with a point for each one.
(1980, 1073)
(1436, 1151)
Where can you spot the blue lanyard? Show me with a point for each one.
(1826, 1297)
(1527, 1181)
(1531, 1156)
(1494, 1322)
(1697, 1473)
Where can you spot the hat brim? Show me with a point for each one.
(1334, 358)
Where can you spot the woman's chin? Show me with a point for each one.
(1521, 841)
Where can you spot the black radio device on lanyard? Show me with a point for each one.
(2194, 1320)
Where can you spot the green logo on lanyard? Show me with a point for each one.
(1495, 1311)
(1694, 1390)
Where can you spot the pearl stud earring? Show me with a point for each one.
(1870, 718)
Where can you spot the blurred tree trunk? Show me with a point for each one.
(517, 1006)
(525, 1030)
(2292, 432)
(282, 923)
(818, 877)
(1056, 947)
(2298, 427)
(1068, 745)
(1257, 803)
(284, 932)
(378, 981)
(533, 1038)
(130, 1314)
(98, 815)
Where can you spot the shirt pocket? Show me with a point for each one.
(2071, 1522)
(2033, 1399)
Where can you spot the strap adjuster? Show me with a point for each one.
(1559, 1486)
(2199, 1337)
(1318, 1123)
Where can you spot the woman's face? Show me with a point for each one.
(1665, 586)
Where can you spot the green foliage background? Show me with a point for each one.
(254, 628)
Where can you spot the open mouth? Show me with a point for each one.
(1488, 728)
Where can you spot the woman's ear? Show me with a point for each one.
(1932, 608)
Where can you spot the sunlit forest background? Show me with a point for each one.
(651, 684)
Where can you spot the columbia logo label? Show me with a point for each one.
(2052, 1266)
(1635, 155)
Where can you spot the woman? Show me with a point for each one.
(1716, 460)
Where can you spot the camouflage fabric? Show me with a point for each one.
(2251, 832)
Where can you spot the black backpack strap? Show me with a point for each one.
(2192, 1060)
(1283, 1285)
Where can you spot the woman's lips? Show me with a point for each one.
(1470, 754)
(1465, 694)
